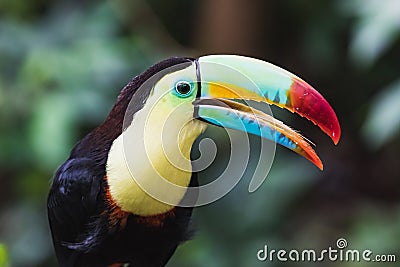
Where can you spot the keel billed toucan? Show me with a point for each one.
(99, 213)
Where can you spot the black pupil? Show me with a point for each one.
(183, 88)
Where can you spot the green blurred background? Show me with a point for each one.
(62, 64)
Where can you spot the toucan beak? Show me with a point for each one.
(223, 78)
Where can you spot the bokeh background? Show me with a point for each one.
(62, 64)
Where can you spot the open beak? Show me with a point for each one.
(224, 78)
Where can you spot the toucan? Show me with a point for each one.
(116, 200)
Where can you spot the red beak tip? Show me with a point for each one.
(335, 134)
(309, 103)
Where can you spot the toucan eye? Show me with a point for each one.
(183, 88)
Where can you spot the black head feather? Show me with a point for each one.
(97, 143)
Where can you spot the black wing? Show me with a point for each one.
(74, 202)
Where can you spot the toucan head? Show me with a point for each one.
(170, 109)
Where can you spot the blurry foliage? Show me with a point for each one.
(63, 63)
(376, 29)
(383, 122)
(3, 256)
